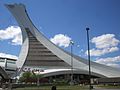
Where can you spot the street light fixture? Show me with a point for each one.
(90, 87)
(71, 45)
(38, 77)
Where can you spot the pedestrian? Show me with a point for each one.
(53, 87)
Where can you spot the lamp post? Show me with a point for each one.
(71, 45)
(87, 29)
(38, 78)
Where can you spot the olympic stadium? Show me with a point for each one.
(38, 52)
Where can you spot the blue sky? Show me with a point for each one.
(62, 20)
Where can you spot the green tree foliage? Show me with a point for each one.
(25, 77)
(30, 77)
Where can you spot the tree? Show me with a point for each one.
(38, 77)
(26, 76)
(30, 77)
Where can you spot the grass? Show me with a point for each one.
(109, 86)
(58, 88)
(66, 87)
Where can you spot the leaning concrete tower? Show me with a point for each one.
(38, 51)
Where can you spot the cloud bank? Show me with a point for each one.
(13, 33)
(106, 43)
(110, 61)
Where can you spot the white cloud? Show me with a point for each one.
(17, 40)
(13, 33)
(78, 46)
(99, 52)
(5, 55)
(81, 50)
(61, 40)
(111, 61)
(106, 43)
(112, 49)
